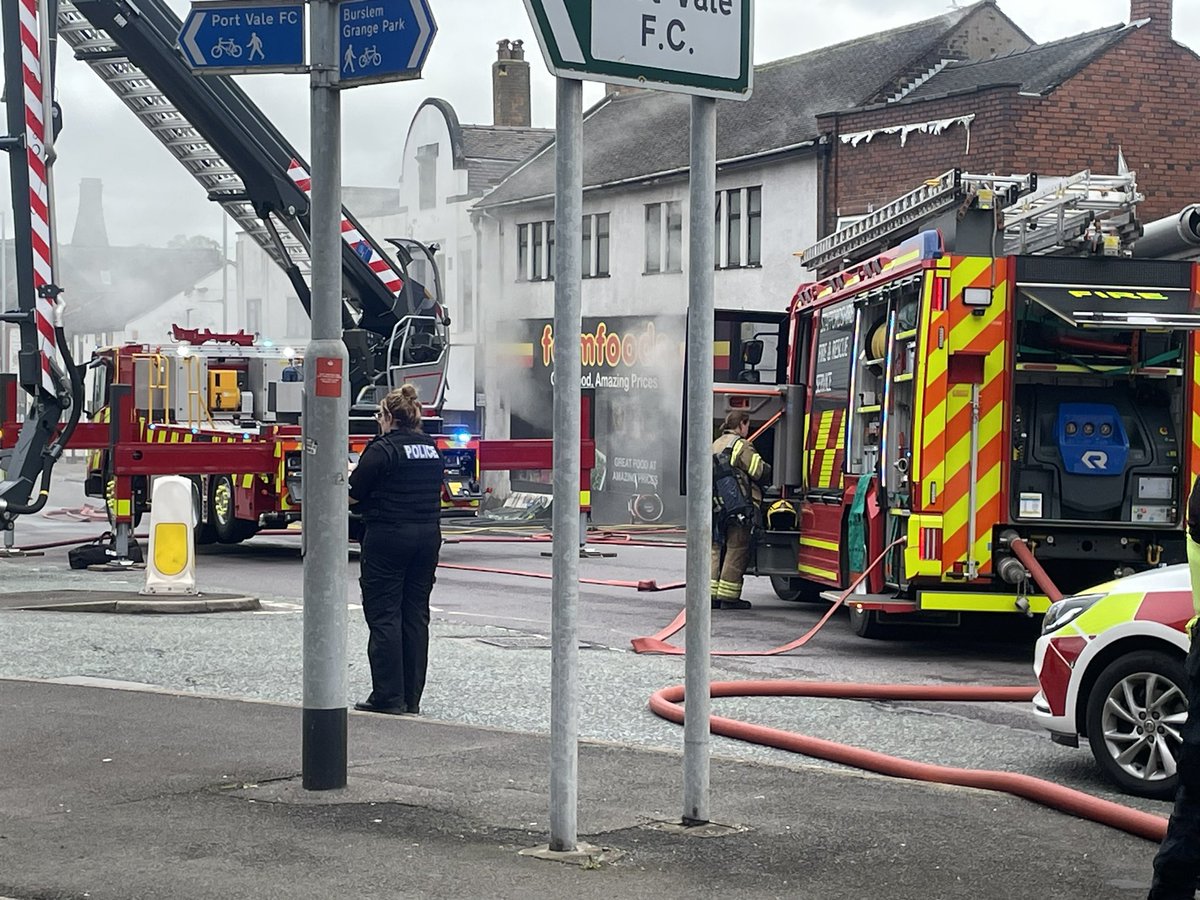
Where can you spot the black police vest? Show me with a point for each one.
(409, 491)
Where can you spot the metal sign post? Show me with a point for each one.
(703, 49)
(568, 323)
(326, 433)
(702, 215)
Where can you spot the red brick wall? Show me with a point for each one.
(1142, 95)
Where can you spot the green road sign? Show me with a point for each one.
(700, 47)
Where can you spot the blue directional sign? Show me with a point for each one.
(247, 36)
(383, 40)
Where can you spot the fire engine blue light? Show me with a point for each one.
(460, 436)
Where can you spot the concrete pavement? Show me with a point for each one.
(120, 794)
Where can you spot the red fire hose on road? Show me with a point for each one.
(665, 704)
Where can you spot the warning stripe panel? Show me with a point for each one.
(375, 261)
(975, 334)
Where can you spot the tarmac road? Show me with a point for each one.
(490, 661)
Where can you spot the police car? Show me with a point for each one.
(1110, 667)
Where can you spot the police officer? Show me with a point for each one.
(731, 547)
(397, 486)
(1177, 865)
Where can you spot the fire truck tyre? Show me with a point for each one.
(866, 624)
(229, 528)
(205, 532)
(1134, 713)
(794, 590)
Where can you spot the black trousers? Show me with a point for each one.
(396, 576)
(1177, 865)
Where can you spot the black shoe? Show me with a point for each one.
(735, 604)
(413, 710)
(385, 710)
(716, 604)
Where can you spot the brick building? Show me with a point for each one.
(1051, 108)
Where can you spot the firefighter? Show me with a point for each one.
(398, 486)
(732, 534)
(1177, 865)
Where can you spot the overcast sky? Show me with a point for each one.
(149, 197)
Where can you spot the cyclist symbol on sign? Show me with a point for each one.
(369, 57)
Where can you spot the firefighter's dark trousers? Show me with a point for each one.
(1177, 865)
(397, 573)
(729, 562)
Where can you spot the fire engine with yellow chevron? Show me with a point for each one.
(988, 395)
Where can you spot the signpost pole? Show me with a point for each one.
(568, 322)
(326, 432)
(696, 743)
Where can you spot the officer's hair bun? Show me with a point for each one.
(403, 406)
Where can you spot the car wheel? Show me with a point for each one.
(794, 590)
(1135, 712)
(229, 528)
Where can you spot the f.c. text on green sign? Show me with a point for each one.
(702, 47)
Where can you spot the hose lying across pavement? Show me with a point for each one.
(665, 704)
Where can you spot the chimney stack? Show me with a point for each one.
(89, 220)
(1159, 12)
(510, 86)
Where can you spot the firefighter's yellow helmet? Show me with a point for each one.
(782, 516)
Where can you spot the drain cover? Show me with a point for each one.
(525, 642)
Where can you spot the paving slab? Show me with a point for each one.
(125, 602)
(119, 794)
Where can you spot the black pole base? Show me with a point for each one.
(324, 749)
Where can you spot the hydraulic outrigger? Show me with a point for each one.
(47, 372)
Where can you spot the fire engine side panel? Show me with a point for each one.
(923, 554)
(1192, 346)
(977, 366)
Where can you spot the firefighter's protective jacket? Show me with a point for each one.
(746, 459)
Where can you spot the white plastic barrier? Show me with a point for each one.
(171, 558)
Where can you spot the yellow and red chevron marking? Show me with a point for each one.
(930, 420)
(1194, 453)
(984, 335)
(39, 204)
(377, 263)
(828, 450)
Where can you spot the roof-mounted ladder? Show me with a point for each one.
(1082, 211)
(95, 47)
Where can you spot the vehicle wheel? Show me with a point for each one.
(794, 590)
(229, 529)
(866, 624)
(1135, 712)
(204, 532)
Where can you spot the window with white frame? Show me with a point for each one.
(739, 228)
(427, 157)
(664, 237)
(535, 251)
(595, 245)
(466, 288)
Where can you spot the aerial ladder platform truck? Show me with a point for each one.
(980, 402)
(396, 328)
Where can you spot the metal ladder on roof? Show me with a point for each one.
(1081, 211)
(104, 56)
